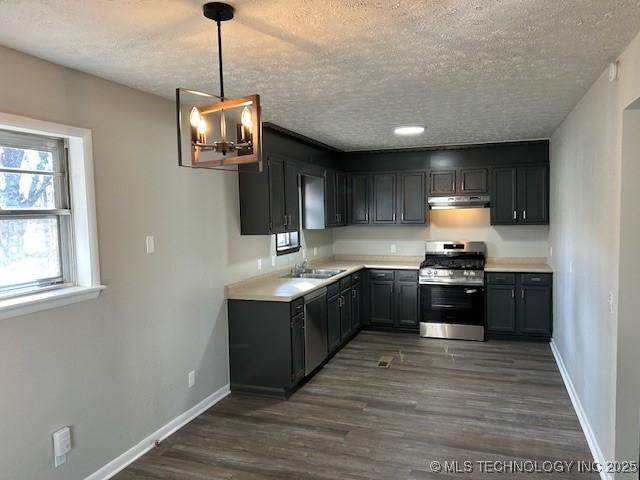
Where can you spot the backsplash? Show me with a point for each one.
(463, 224)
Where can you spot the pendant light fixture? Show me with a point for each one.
(214, 131)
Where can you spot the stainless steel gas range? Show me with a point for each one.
(452, 291)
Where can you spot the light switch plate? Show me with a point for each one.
(61, 445)
(393, 248)
(192, 378)
(151, 244)
(259, 264)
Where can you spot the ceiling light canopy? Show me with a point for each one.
(214, 131)
(408, 130)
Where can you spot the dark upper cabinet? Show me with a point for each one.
(277, 194)
(359, 199)
(297, 348)
(356, 309)
(335, 198)
(473, 181)
(330, 207)
(501, 308)
(504, 196)
(412, 198)
(384, 198)
(407, 304)
(520, 195)
(534, 194)
(333, 322)
(443, 182)
(534, 315)
(519, 305)
(291, 203)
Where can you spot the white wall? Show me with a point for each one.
(115, 369)
(464, 224)
(585, 236)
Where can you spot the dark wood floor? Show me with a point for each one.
(440, 400)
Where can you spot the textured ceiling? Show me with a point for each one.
(346, 72)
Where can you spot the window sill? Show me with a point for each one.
(36, 302)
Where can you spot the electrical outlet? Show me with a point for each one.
(550, 252)
(570, 267)
(192, 378)
(259, 264)
(393, 248)
(610, 302)
(61, 446)
(315, 251)
(151, 244)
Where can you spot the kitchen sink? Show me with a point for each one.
(319, 273)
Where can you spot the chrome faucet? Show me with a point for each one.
(300, 267)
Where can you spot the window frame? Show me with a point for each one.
(62, 211)
(289, 248)
(86, 283)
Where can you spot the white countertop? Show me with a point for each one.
(276, 288)
(518, 265)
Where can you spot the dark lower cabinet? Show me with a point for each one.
(333, 321)
(501, 308)
(534, 315)
(297, 348)
(266, 357)
(519, 305)
(356, 307)
(393, 297)
(345, 314)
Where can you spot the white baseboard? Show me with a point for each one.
(577, 406)
(135, 452)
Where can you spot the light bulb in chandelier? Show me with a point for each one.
(195, 118)
(245, 119)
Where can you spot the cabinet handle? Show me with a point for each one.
(522, 294)
(513, 293)
(353, 293)
(402, 216)
(524, 214)
(285, 220)
(515, 215)
(535, 279)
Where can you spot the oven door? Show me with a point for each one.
(452, 304)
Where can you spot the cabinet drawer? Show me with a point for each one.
(345, 283)
(381, 274)
(501, 278)
(355, 278)
(407, 275)
(333, 289)
(297, 307)
(535, 279)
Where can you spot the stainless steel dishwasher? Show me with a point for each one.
(315, 329)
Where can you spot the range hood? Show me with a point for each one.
(458, 201)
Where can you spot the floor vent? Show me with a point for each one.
(385, 362)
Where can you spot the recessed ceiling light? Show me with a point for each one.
(409, 130)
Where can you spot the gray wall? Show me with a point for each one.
(115, 369)
(585, 236)
(466, 224)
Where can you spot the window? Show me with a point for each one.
(48, 228)
(287, 242)
(35, 213)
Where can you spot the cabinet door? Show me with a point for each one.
(276, 195)
(534, 194)
(407, 304)
(384, 198)
(534, 316)
(331, 215)
(359, 199)
(355, 307)
(501, 308)
(333, 322)
(412, 198)
(341, 198)
(443, 182)
(297, 348)
(473, 181)
(381, 296)
(291, 199)
(345, 314)
(503, 196)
